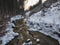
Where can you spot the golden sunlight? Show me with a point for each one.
(43, 1)
(29, 3)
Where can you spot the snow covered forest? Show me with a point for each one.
(29, 22)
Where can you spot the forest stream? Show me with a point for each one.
(26, 36)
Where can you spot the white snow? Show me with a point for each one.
(17, 17)
(37, 40)
(28, 39)
(47, 21)
(29, 43)
(10, 34)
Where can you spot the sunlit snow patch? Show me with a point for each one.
(29, 3)
(47, 21)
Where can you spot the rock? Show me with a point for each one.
(38, 40)
(48, 3)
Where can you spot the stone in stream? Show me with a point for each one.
(38, 41)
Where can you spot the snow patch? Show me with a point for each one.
(47, 21)
(17, 17)
(10, 34)
(37, 40)
(27, 43)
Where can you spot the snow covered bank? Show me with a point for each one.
(10, 34)
(47, 21)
